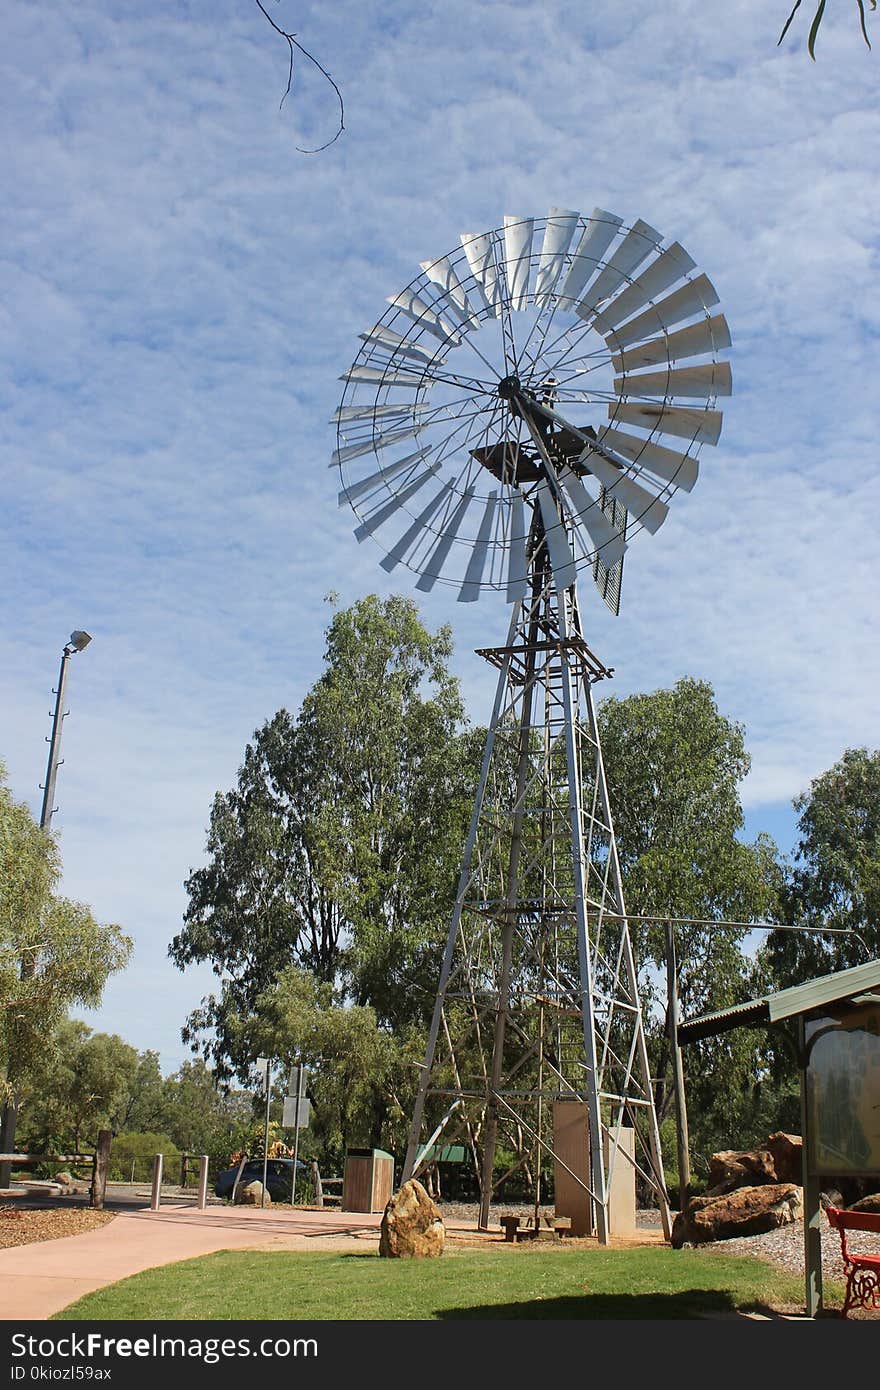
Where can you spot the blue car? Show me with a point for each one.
(279, 1177)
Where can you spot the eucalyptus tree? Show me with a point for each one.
(53, 953)
(337, 851)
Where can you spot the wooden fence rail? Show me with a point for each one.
(100, 1161)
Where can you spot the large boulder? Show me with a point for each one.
(251, 1195)
(733, 1168)
(787, 1151)
(871, 1204)
(412, 1227)
(748, 1211)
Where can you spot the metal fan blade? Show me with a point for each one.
(558, 545)
(366, 446)
(378, 376)
(693, 298)
(601, 230)
(639, 502)
(470, 589)
(517, 564)
(704, 381)
(664, 463)
(707, 336)
(375, 412)
(381, 336)
(367, 527)
(431, 572)
(559, 229)
(518, 233)
(355, 491)
(480, 252)
(442, 274)
(608, 542)
(425, 316)
(702, 426)
(638, 243)
(674, 264)
(412, 533)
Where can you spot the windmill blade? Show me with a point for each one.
(704, 381)
(518, 233)
(638, 243)
(380, 336)
(400, 409)
(355, 491)
(664, 463)
(434, 564)
(709, 335)
(412, 533)
(558, 545)
(639, 502)
(442, 274)
(601, 231)
(377, 518)
(367, 446)
(470, 589)
(607, 540)
(425, 316)
(693, 298)
(674, 264)
(700, 426)
(559, 229)
(517, 561)
(379, 376)
(480, 252)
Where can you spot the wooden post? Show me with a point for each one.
(316, 1180)
(100, 1165)
(203, 1181)
(156, 1195)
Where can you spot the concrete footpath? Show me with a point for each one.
(42, 1278)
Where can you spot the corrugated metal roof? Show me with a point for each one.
(785, 1003)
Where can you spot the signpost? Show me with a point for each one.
(300, 1113)
(264, 1069)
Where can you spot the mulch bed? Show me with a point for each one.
(26, 1225)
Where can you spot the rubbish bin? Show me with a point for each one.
(367, 1180)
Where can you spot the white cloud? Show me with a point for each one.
(182, 291)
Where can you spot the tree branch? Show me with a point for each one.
(293, 43)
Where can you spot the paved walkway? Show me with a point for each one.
(42, 1278)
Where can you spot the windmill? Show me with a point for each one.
(527, 405)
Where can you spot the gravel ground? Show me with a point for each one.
(26, 1225)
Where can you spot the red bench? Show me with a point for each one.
(862, 1271)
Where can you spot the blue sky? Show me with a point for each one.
(182, 289)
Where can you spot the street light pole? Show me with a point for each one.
(77, 642)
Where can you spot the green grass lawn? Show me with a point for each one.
(525, 1282)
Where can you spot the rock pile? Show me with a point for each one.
(750, 1192)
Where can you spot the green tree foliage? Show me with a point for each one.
(338, 850)
(53, 953)
(362, 1078)
(84, 1087)
(819, 15)
(674, 765)
(834, 881)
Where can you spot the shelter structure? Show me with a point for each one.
(833, 1024)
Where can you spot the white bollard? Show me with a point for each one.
(156, 1195)
(203, 1182)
